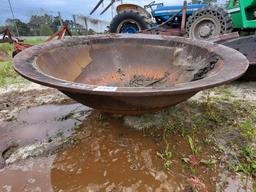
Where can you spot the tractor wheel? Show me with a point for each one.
(208, 22)
(128, 22)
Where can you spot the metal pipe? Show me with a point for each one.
(10, 5)
(184, 15)
(96, 7)
(109, 5)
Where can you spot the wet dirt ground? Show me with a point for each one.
(109, 156)
(4, 55)
(50, 143)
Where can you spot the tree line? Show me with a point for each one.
(43, 25)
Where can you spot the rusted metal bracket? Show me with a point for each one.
(8, 37)
(61, 33)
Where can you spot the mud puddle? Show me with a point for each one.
(112, 157)
(14, 99)
(108, 156)
(39, 123)
(29, 175)
(42, 124)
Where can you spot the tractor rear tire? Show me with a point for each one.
(208, 22)
(128, 22)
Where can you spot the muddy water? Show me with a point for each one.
(38, 123)
(112, 157)
(108, 157)
(29, 175)
(32, 125)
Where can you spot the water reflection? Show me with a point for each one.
(112, 157)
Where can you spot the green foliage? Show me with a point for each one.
(208, 162)
(248, 129)
(44, 25)
(23, 28)
(45, 30)
(166, 156)
(195, 150)
(40, 24)
(91, 32)
(73, 141)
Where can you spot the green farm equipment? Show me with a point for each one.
(237, 15)
(242, 13)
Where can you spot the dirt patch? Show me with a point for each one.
(4, 55)
(14, 99)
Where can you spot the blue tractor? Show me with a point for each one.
(202, 21)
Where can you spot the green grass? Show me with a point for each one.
(246, 155)
(7, 74)
(34, 41)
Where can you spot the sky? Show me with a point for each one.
(23, 9)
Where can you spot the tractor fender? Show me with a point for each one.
(137, 8)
